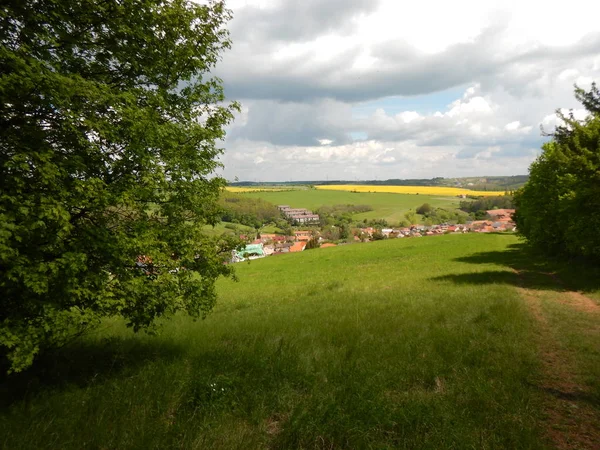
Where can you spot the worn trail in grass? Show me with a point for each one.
(569, 375)
(414, 343)
(567, 338)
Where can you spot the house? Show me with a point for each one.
(303, 235)
(327, 245)
(304, 218)
(501, 215)
(283, 247)
(267, 238)
(368, 231)
(250, 251)
(387, 231)
(478, 225)
(298, 215)
(297, 247)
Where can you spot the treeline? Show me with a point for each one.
(558, 210)
(495, 183)
(477, 208)
(340, 210)
(253, 212)
(434, 216)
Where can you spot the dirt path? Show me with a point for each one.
(580, 302)
(570, 420)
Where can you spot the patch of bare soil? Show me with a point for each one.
(274, 424)
(576, 299)
(581, 302)
(571, 422)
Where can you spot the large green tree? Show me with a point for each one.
(558, 210)
(109, 129)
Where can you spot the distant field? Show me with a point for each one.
(430, 343)
(240, 189)
(423, 190)
(390, 207)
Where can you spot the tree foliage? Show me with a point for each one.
(254, 212)
(109, 120)
(312, 243)
(558, 210)
(484, 204)
(425, 208)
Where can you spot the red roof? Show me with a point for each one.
(297, 247)
(500, 212)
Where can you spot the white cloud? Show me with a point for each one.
(325, 141)
(409, 116)
(299, 67)
(512, 126)
(474, 105)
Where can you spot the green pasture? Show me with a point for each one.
(237, 228)
(390, 207)
(227, 228)
(421, 343)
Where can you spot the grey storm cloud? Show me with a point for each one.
(295, 20)
(302, 124)
(437, 131)
(400, 69)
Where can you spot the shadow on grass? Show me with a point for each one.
(530, 270)
(82, 364)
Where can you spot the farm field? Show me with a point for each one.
(242, 189)
(390, 207)
(457, 341)
(423, 190)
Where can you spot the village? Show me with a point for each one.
(269, 244)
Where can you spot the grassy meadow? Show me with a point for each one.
(388, 206)
(407, 343)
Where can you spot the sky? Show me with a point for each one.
(380, 89)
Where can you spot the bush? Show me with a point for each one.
(312, 243)
(425, 208)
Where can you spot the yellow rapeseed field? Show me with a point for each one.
(423, 190)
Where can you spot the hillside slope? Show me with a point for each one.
(407, 343)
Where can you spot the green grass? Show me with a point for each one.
(407, 343)
(390, 207)
(237, 229)
(228, 228)
(578, 333)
